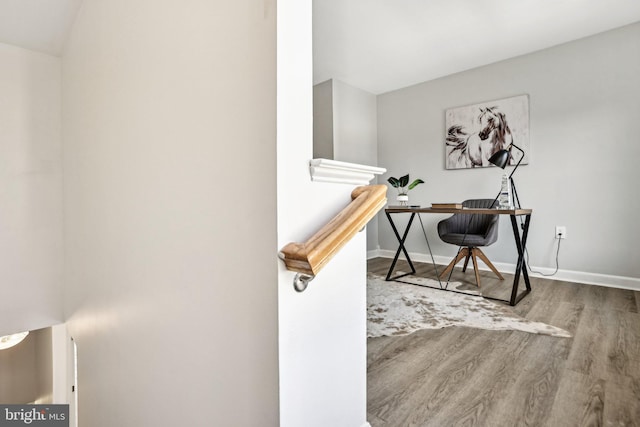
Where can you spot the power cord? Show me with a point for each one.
(557, 256)
(526, 252)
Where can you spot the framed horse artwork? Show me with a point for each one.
(475, 132)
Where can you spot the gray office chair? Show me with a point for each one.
(470, 232)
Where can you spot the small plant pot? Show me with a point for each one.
(403, 199)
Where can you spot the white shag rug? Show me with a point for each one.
(399, 309)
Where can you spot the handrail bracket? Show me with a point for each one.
(301, 281)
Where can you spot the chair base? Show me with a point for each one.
(472, 253)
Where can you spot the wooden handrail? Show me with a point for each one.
(310, 257)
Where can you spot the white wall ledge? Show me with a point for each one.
(325, 170)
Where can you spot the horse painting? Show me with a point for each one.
(474, 150)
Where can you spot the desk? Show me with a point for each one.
(520, 240)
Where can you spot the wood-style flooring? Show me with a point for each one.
(461, 376)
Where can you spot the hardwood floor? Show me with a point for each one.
(471, 377)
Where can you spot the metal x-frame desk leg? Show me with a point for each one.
(521, 245)
(401, 248)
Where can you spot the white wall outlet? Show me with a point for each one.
(561, 232)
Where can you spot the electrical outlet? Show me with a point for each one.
(561, 232)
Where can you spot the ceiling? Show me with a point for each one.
(40, 25)
(382, 45)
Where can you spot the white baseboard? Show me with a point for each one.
(366, 425)
(607, 280)
(374, 254)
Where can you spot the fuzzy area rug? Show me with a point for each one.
(399, 309)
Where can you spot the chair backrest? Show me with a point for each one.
(477, 224)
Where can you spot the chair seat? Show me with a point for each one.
(465, 240)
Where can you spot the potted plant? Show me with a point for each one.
(402, 185)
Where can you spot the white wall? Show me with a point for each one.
(344, 123)
(323, 120)
(169, 118)
(44, 365)
(584, 150)
(355, 124)
(30, 190)
(61, 360)
(323, 329)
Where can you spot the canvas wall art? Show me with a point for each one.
(476, 132)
